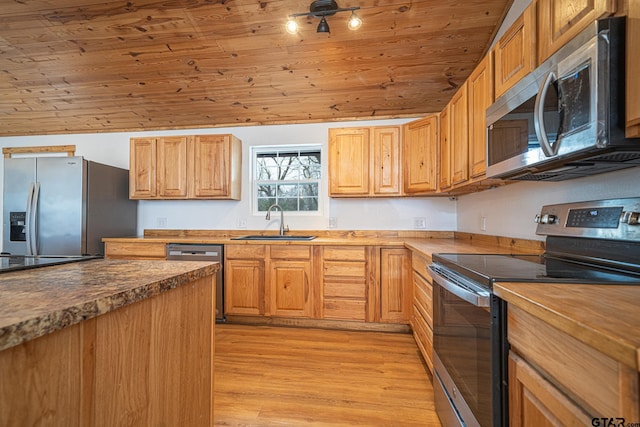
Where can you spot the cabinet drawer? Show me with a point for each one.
(291, 252)
(354, 270)
(423, 297)
(344, 289)
(601, 385)
(344, 309)
(420, 263)
(344, 253)
(423, 335)
(245, 251)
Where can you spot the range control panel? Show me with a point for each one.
(617, 219)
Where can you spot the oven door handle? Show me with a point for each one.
(476, 297)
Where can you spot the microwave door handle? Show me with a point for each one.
(538, 115)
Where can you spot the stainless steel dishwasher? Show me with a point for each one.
(194, 252)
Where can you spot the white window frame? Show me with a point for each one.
(259, 149)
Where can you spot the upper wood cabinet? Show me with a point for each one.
(561, 20)
(633, 69)
(459, 136)
(480, 92)
(172, 167)
(364, 162)
(142, 170)
(515, 52)
(386, 165)
(444, 151)
(185, 167)
(420, 151)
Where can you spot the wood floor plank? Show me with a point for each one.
(268, 376)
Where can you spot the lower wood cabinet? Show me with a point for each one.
(146, 364)
(345, 283)
(134, 250)
(534, 401)
(395, 285)
(244, 278)
(422, 315)
(349, 283)
(290, 281)
(555, 379)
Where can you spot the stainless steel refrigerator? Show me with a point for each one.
(64, 206)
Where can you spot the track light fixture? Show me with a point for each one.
(321, 9)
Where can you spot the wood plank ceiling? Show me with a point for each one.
(76, 66)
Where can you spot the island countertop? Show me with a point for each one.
(38, 301)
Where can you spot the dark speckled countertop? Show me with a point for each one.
(42, 300)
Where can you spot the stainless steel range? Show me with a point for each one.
(595, 242)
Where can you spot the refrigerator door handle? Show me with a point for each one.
(28, 217)
(32, 219)
(34, 215)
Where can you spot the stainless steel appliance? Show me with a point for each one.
(64, 206)
(567, 118)
(595, 242)
(213, 253)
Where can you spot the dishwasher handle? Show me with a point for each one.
(189, 253)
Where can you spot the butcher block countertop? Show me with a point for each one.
(424, 242)
(38, 301)
(604, 317)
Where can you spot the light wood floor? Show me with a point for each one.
(268, 376)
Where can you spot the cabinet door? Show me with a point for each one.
(633, 70)
(480, 91)
(459, 136)
(515, 52)
(349, 162)
(142, 170)
(244, 287)
(535, 402)
(386, 161)
(395, 285)
(211, 166)
(420, 148)
(290, 288)
(172, 166)
(561, 20)
(444, 151)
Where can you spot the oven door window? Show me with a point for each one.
(462, 341)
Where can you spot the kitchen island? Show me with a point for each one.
(105, 342)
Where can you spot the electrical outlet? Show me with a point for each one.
(241, 222)
(483, 223)
(333, 222)
(161, 222)
(419, 223)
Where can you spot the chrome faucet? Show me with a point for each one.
(268, 218)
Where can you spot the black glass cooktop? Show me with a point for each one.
(489, 268)
(23, 262)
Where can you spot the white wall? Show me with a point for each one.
(350, 214)
(510, 210)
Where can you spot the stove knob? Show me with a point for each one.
(631, 218)
(548, 219)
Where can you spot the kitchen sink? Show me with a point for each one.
(273, 237)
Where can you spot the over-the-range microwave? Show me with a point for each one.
(566, 119)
